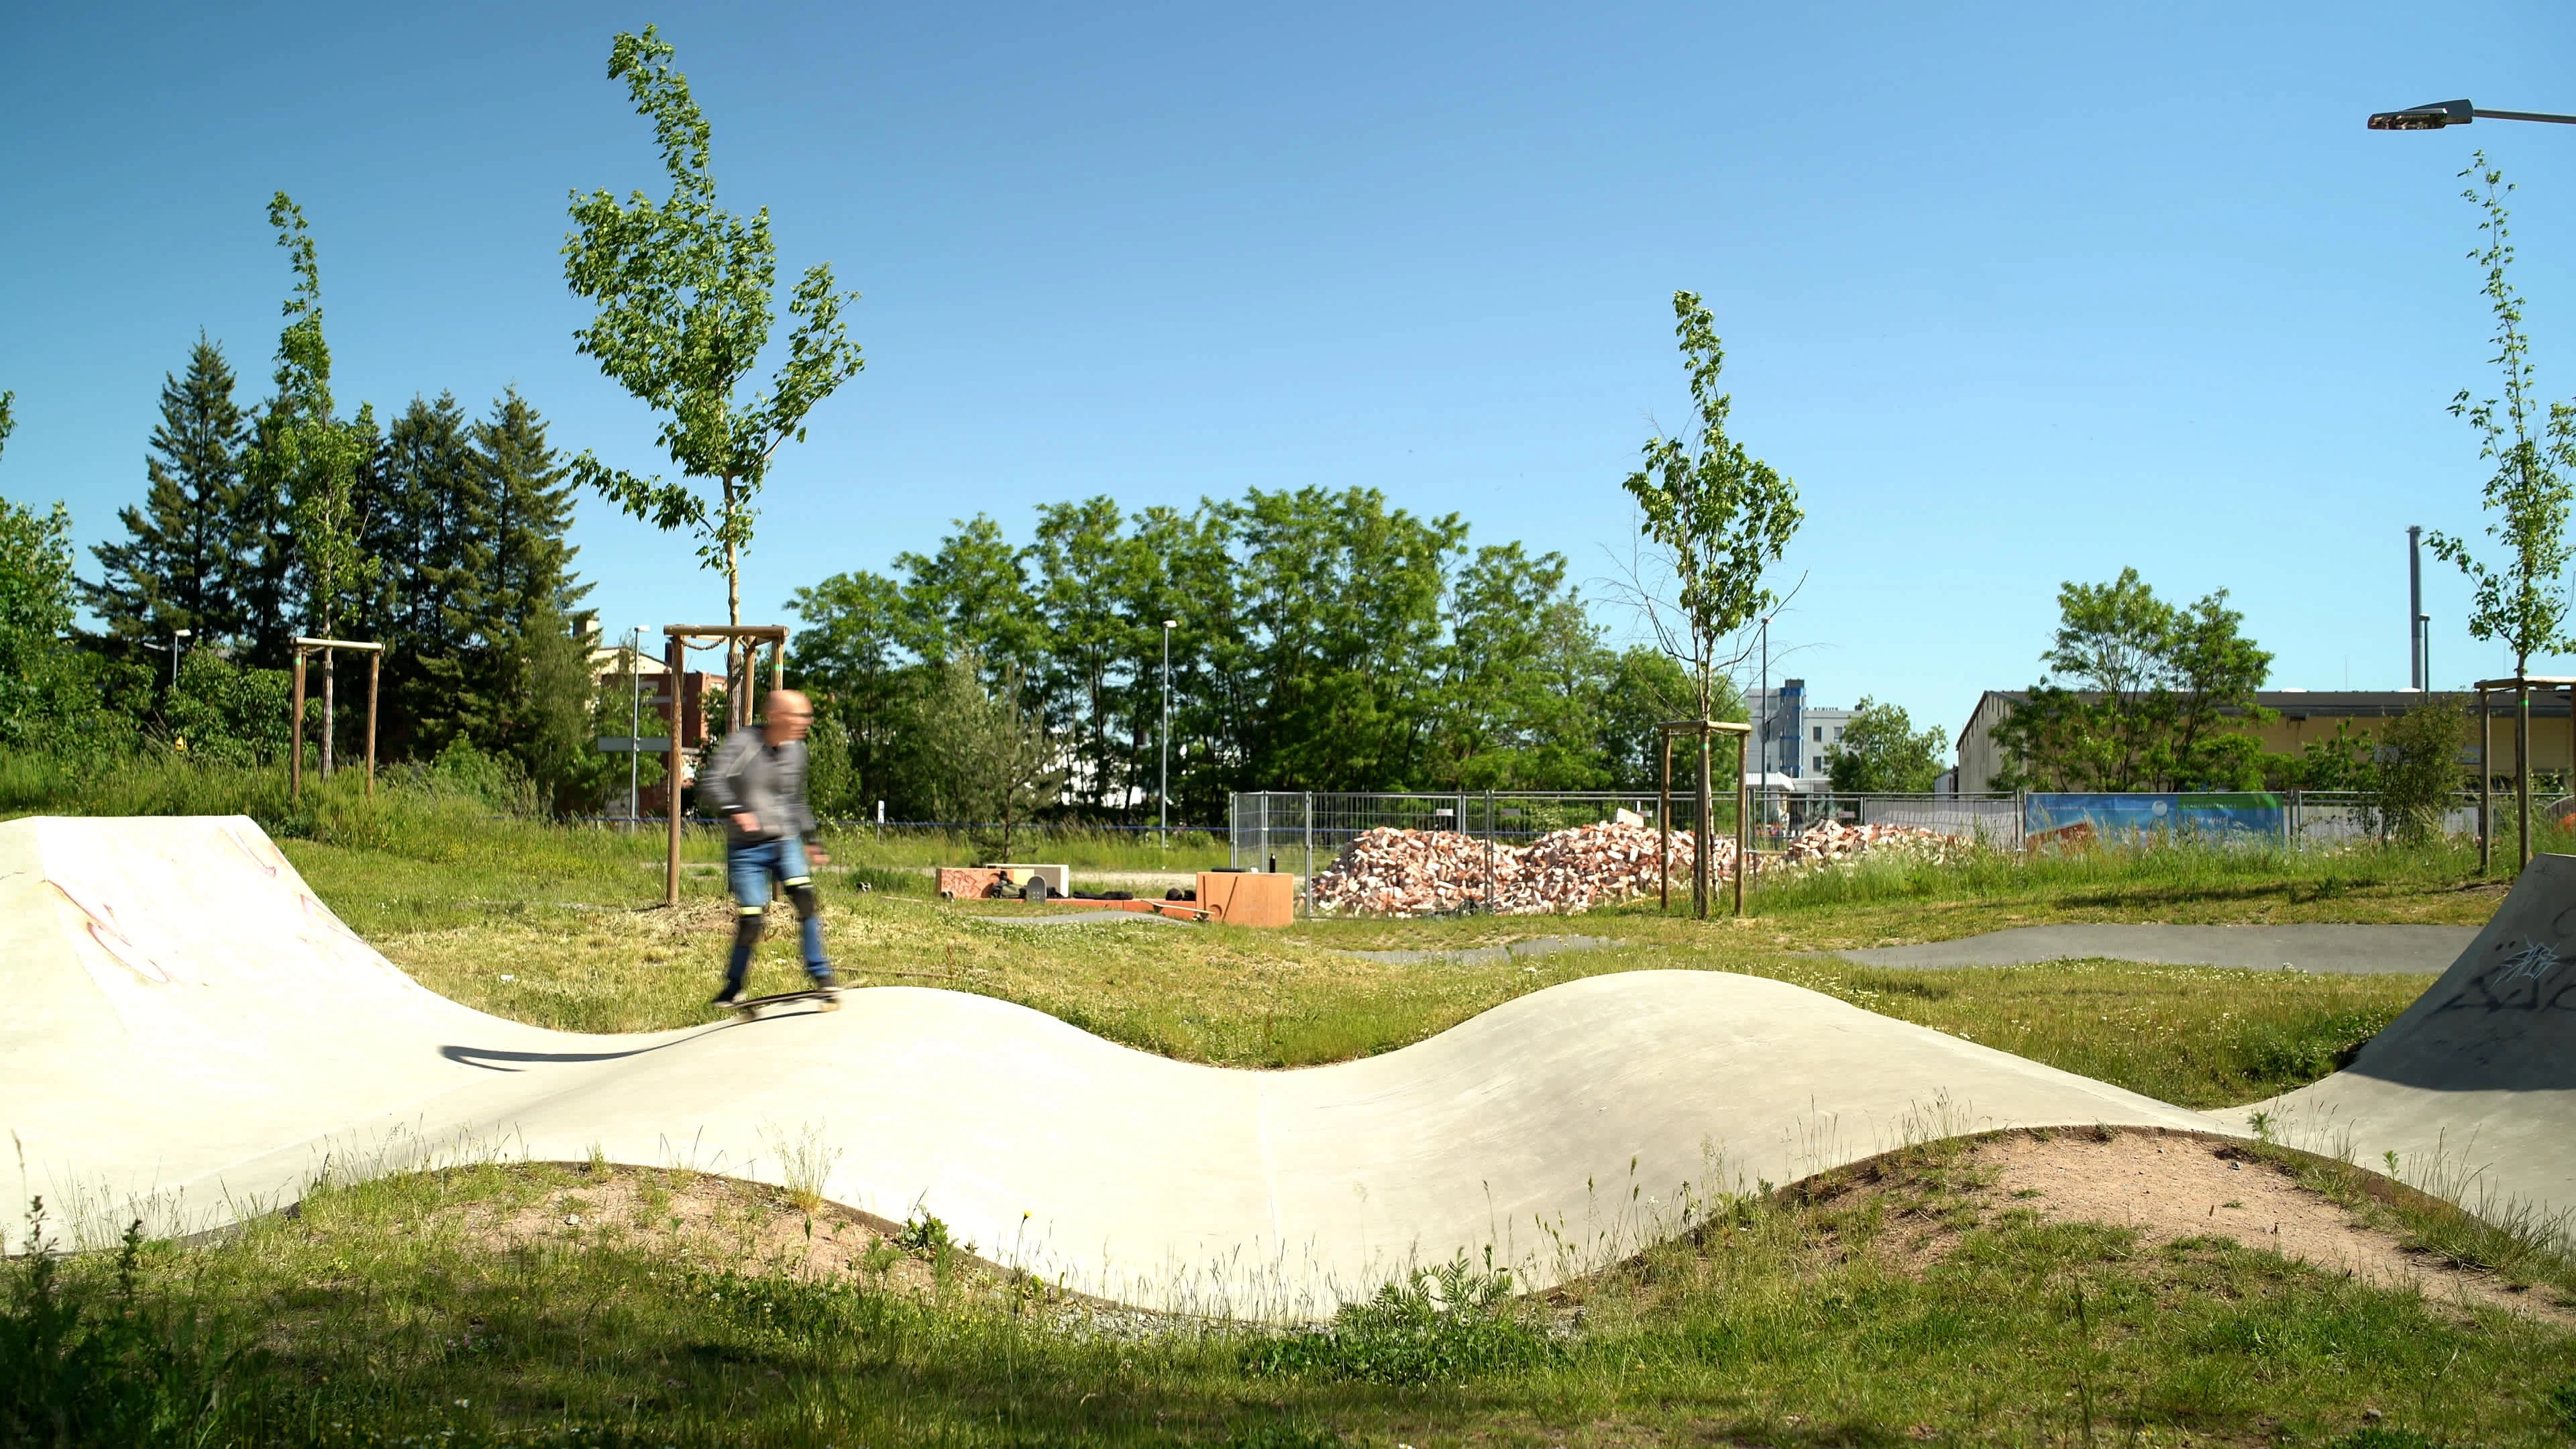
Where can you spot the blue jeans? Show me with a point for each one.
(750, 869)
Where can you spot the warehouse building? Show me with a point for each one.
(2303, 715)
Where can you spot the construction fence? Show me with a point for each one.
(1301, 832)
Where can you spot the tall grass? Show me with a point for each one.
(2178, 870)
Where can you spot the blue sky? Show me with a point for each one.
(2016, 293)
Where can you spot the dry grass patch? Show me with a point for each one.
(2168, 1189)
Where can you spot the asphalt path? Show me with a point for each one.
(2338, 950)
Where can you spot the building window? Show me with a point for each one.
(1838, 733)
(1820, 734)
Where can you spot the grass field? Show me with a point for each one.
(394, 1312)
(409, 1311)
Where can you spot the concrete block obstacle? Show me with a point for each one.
(194, 1038)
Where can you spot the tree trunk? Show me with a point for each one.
(737, 671)
(1703, 863)
(2521, 766)
(329, 667)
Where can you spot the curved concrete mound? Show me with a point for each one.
(2472, 1088)
(192, 1037)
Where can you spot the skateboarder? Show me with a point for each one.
(757, 783)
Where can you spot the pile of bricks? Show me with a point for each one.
(1390, 872)
(1832, 841)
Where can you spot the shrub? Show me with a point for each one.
(1441, 1325)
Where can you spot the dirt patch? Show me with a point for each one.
(703, 1221)
(2163, 1186)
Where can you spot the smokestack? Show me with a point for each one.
(2415, 605)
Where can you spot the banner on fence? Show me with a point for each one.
(2224, 818)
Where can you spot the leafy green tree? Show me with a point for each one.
(309, 457)
(849, 657)
(685, 297)
(2417, 771)
(227, 713)
(1518, 699)
(1715, 518)
(1347, 596)
(37, 602)
(1090, 571)
(987, 759)
(972, 597)
(1641, 688)
(2524, 601)
(1881, 753)
(177, 567)
(2152, 698)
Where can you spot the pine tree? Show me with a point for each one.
(522, 685)
(178, 568)
(413, 517)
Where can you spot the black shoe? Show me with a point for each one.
(825, 982)
(730, 996)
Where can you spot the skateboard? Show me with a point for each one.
(824, 999)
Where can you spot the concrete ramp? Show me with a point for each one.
(2474, 1086)
(192, 1037)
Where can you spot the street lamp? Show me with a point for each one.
(1163, 806)
(2434, 115)
(175, 646)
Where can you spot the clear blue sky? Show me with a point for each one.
(2016, 293)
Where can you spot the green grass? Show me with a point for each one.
(379, 1315)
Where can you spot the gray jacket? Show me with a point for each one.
(749, 773)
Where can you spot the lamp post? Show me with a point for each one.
(2434, 115)
(175, 646)
(1163, 787)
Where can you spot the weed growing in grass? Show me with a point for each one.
(86, 1364)
(1445, 1325)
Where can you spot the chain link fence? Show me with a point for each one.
(1301, 832)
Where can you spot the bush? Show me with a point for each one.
(82, 1366)
(227, 714)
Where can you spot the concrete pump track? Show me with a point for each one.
(192, 1038)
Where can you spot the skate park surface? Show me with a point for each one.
(194, 1038)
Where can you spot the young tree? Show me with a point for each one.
(1881, 754)
(2523, 602)
(177, 568)
(2416, 773)
(308, 457)
(1715, 517)
(989, 760)
(685, 291)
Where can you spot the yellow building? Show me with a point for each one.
(2303, 715)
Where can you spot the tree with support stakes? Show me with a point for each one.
(304, 648)
(685, 297)
(2524, 602)
(1714, 517)
(744, 638)
(308, 456)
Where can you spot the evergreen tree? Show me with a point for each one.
(178, 568)
(522, 683)
(414, 518)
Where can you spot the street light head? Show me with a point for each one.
(1171, 623)
(2430, 116)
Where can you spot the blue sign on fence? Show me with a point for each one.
(2220, 818)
